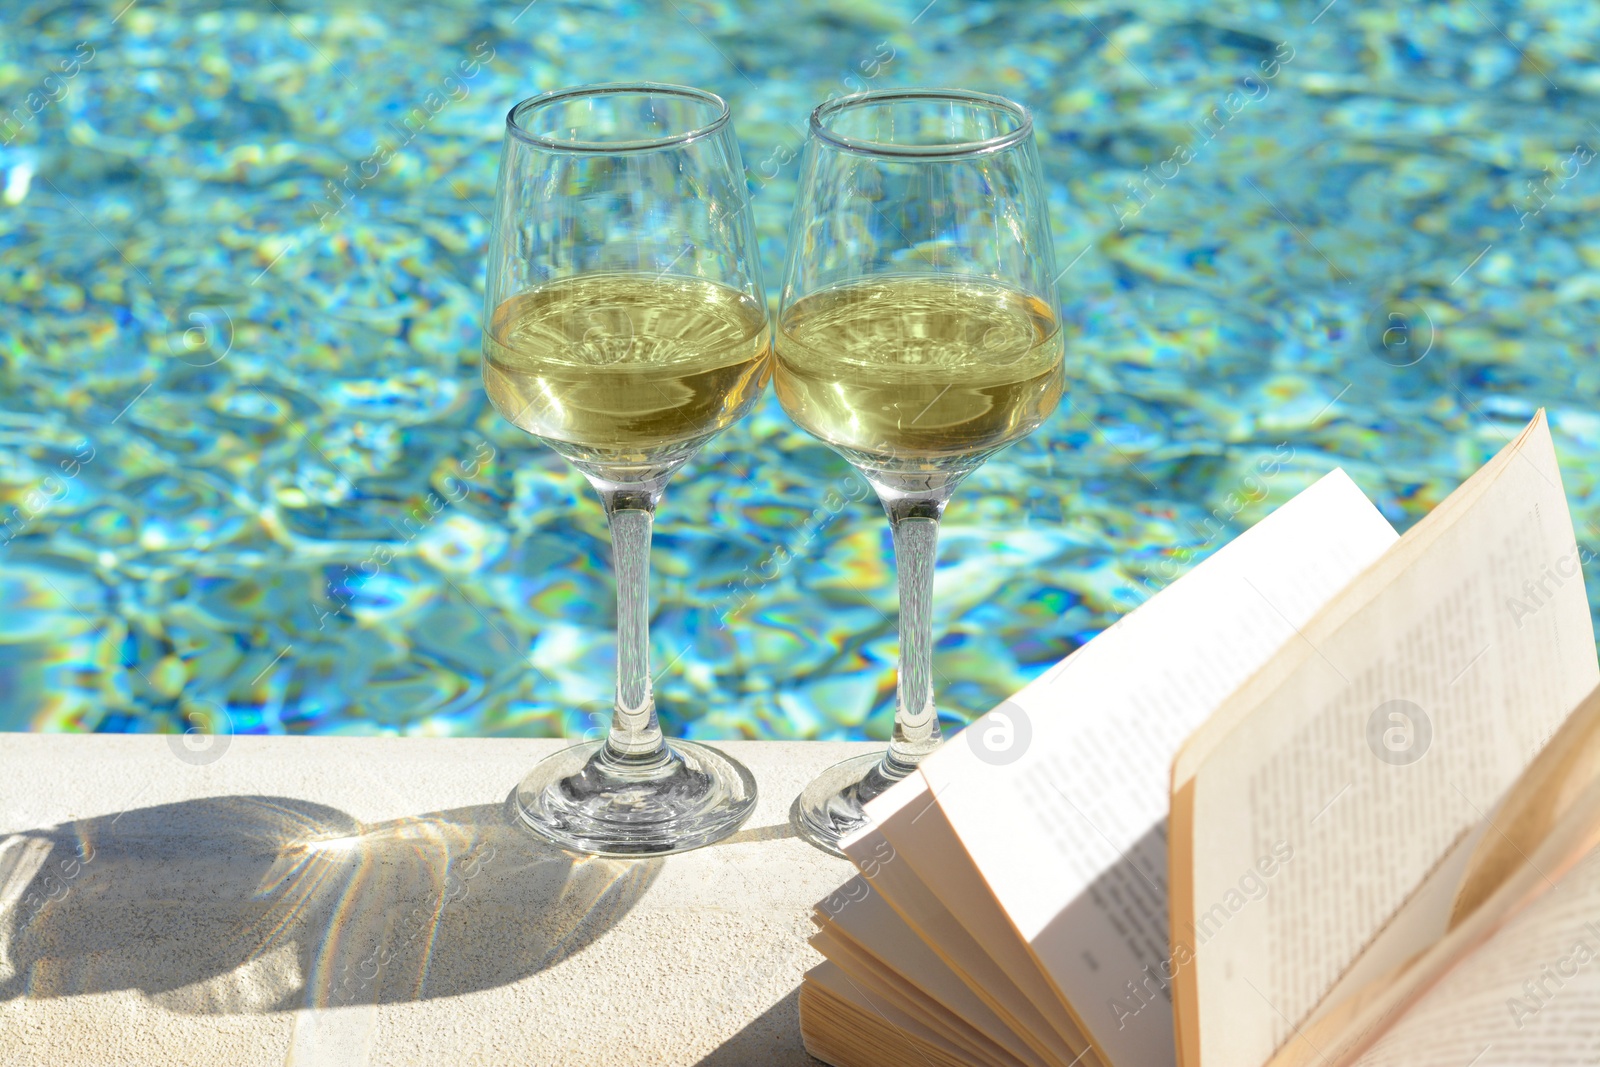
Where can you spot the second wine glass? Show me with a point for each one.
(918, 335)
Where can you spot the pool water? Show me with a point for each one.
(241, 260)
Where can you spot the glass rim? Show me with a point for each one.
(515, 128)
(888, 149)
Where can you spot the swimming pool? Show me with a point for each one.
(241, 265)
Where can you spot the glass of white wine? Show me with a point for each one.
(918, 334)
(625, 327)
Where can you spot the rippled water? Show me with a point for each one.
(241, 264)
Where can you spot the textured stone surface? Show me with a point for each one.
(349, 901)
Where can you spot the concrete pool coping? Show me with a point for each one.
(348, 901)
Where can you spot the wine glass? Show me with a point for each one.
(918, 334)
(625, 326)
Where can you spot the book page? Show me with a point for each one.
(1061, 834)
(1422, 922)
(1530, 995)
(907, 846)
(1549, 820)
(1563, 775)
(846, 1025)
(867, 926)
(878, 981)
(1375, 740)
(1352, 1028)
(1495, 850)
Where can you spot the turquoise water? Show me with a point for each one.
(241, 265)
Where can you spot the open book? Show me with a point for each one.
(1384, 814)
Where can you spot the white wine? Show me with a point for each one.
(909, 369)
(626, 366)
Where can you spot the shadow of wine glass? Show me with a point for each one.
(241, 904)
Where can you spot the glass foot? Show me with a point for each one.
(583, 800)
(830, 808)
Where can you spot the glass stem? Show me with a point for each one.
(915, 522)
(635, 738)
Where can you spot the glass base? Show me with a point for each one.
(830, 808)
(582, 800)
